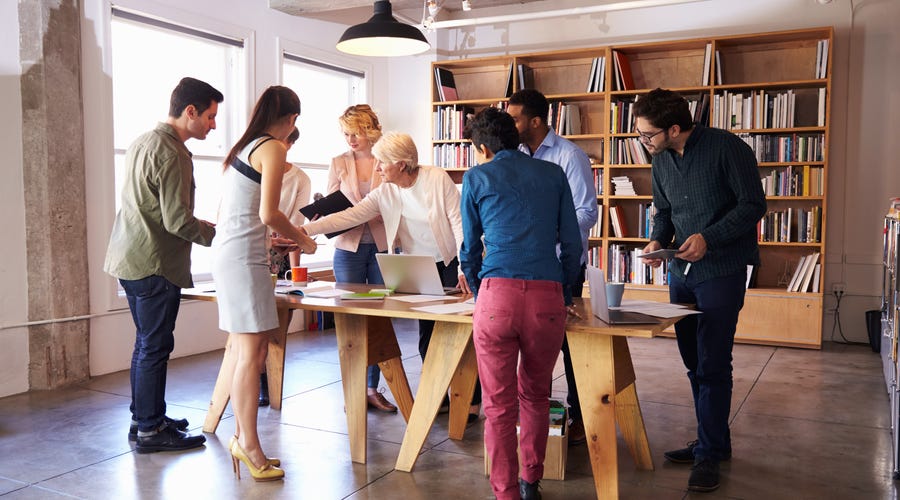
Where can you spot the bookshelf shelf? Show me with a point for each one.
(706, 71)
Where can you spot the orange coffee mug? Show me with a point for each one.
(298, 275)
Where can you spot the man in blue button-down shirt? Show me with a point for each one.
(529, 108)
(708, 199)
(522, 207)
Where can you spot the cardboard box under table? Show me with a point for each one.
(557, 450)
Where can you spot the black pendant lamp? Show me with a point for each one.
(382, 35)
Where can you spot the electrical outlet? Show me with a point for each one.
(838, 288)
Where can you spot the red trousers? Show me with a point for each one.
(514, 318)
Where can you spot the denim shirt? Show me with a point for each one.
(523, 208)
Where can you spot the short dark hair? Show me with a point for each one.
(664, 108)
(533, 103)
(493, 128)
(192, 91)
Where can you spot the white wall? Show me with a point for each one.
(13, 286)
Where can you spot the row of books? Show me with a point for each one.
(791, 225)
(598, 181)
(699, 107)
(785, 147)
(621, 119)
(761, 109)
(445, 84)
(597, 230)
(646, 212)
(449, 122)
(564, 119)
(626, 266)
(597, 77)
(806, 274)
(622, 77)
(707, 60)
(628, 151)
(617, 221)
(794, 181)
(460, 155)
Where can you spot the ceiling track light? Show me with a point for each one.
(466, 5)
(382, 35)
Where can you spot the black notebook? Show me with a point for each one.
(334, 202)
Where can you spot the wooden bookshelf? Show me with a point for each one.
(784, 104)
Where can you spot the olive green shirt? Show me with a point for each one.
(155, 226)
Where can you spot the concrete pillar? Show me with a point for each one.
(55, 221)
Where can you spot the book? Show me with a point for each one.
(808, 269)
(446, 86)
(334, 202)
(592, 77)
(707, 56)
(557, 418)
(526, 77)
(792, 286)
(718, 68)
(509, 81)
(623, 67)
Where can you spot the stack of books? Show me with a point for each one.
(623, 186)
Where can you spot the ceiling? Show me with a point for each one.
(352, 12)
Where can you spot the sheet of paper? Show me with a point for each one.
(324, 293)
(415, 299)
(455, 308)
(668, 312)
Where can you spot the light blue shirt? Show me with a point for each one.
(577, 167)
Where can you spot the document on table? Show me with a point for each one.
(455, 308)
(655, 309)
(416, 299)
(325, 293)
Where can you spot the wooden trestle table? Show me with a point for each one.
(600, 357)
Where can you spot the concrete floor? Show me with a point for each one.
(805, 424)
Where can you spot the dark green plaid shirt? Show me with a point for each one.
(714, 190)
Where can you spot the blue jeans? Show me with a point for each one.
(705, 342)
(154, 303)
(360, 267)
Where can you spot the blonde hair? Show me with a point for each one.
(395, 147)
(361, 120)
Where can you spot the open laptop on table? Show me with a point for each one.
(412, 274)
(597, 286)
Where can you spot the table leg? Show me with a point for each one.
(385, 352)
(593, 364)
(353, 352)
(275, 359)
(222, 391)
(446, 350)
(462, 386)
(631, 423)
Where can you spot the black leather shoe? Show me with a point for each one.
(529, 491)
(168, 439)
(180, 424)
(686, 455)
(704, 476)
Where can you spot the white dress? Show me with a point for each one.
(241, 260)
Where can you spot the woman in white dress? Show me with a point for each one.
(251, 192)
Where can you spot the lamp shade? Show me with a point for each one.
(382, 35)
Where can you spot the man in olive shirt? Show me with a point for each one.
(708, 199)
(150, 253)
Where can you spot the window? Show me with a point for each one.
(149, 57)
(325, 92)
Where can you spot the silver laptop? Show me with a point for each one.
(597, 285)
(412, 274)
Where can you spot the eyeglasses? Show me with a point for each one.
(648, 137)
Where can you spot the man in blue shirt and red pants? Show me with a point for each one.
(522, 207)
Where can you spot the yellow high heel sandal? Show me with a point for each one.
(267, 472)
(270, 460)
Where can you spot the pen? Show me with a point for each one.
(687, 268)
